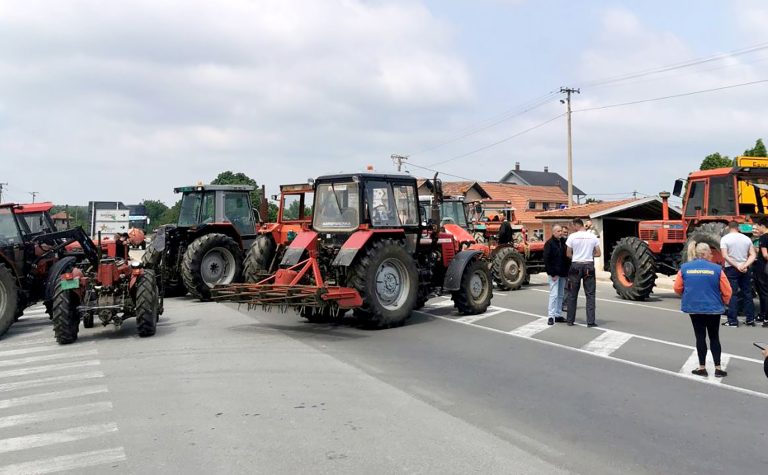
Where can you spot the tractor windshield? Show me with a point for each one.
(189, 213)
(37, 223)
(337, 207)
(452, 212)
(9, 233)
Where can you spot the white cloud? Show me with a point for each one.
(157, 94)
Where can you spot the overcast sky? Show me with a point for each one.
(125, 100)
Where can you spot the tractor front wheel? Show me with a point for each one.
(709, 233)
(258, 259)
(633, 269)
(508, 269)
(145, 303)
(474, 295)
(213, 259)
(386, 277)
(9, 299)
(66, 321)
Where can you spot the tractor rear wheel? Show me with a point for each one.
(633, 269)
(258, 259)
(386, 277)
(9, 299)
(212, 259)
(474, 295)
(145, 303)
(508, 269)
(66, 321)
(709, 233)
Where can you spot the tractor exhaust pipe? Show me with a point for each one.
(664, 195)
(263, 205)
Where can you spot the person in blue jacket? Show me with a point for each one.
(706, 292)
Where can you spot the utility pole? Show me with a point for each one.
(34, 194)
(568, 91)
(399, 159)
(1, 191)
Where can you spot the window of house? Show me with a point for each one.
(531, 205)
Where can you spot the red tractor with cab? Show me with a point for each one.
(711, 199)
(366, 250)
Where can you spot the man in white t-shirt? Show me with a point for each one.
(739, 254)
(582, 247)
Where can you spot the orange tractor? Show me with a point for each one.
(367, 250)
(711, 199)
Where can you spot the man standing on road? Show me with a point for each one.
(758, 269)
(505, 230)
(556, 265)
(739, 254)
(582, 247)
(705, 290)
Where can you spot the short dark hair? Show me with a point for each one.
(733, 225)
(763, 221)
(577, 222)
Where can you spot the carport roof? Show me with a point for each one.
(597, 210)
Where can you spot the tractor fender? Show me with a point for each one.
(456, 268)
(357, 241)
(62, 265)
(304, 241)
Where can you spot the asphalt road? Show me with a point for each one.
(227, 390)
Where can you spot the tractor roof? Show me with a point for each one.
(741, 171)
(43, 207)
(366, 177)
(186, 189)
(296, 188)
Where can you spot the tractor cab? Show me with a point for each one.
(452, 211)
(205, 205)
(35, 218)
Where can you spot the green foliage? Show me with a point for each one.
(79, 215)
(231, 178)
(757, 151)
(155, 211)
(273, 209)
(715, 160)
(593, 200)
(169, 216)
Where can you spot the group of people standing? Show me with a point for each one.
(569, 262)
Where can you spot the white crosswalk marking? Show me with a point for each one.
(35, 383)
(693, 363)
(53, 357)
(16, 342)
(57, 437)
(53, 396)
(66, 462)
(39, 349)
(606, 343)
(47, 368)
(58, 413)
(530, 329)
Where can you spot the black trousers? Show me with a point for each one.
(703, 324)
(581, 271)
(761, 283)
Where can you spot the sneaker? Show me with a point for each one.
(719, 373)
(559, 319)
(700, 372)
(550, 321)
(750, 323)
(570, 324)
(759, 318)
(730, 324)
(591, 325)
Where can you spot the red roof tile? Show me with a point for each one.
(520, 195)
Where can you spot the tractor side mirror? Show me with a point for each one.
(678, 189)
(273, 197)
(256, 216)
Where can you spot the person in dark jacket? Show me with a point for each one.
(505, 230)
(556, 265)
(706, 292)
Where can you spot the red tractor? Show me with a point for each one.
(112, 289)
(293, 216)
(367, 250)
(712, 199)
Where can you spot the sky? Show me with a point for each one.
(127, 100)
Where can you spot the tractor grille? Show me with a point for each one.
(675, 235)
(648, 234)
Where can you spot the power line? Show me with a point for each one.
(673, 96)
(441, 172)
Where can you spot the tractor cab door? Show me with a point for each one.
(392, 205)
(236, 209)
(12, 245)
(694, 204)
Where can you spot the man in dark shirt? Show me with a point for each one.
(556, 264)
(759, 268)
(505, 231)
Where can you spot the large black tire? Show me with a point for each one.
(210, 260)
(388, 302)
(258, 259)
(145, 303)
(61, 266)
(633, 269)
(9, 299)
(66, 321)
(709, 233)
(474, 295)
(151, 258)
(508, 269)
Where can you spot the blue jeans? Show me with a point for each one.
(556, 293)
(741, 284)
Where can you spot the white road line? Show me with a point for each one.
(43, 369)
(53, 414)
(693, 362)
(54, 396)
(530, 329)
(36, 383)
(634, 304)
(475, 318)
(57, 437)
(14, 342)
(39, 358)
(66, 462)
(619, 360)
(442, 303)
(607, 343)
(40, 349)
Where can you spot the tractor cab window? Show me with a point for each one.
(721, 197)
(190, 209)
(208, 208)
(407, 205)
(9, 233)
(291, 207)
(695, 198)
(237, 210)
(37, 223)
(452, 212)
(337, 207)
(381, 205)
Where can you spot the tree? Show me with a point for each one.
(230, 178)
(170, 215)
(757, 151)
(155, 210)
(715, 160)
(593, 200)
